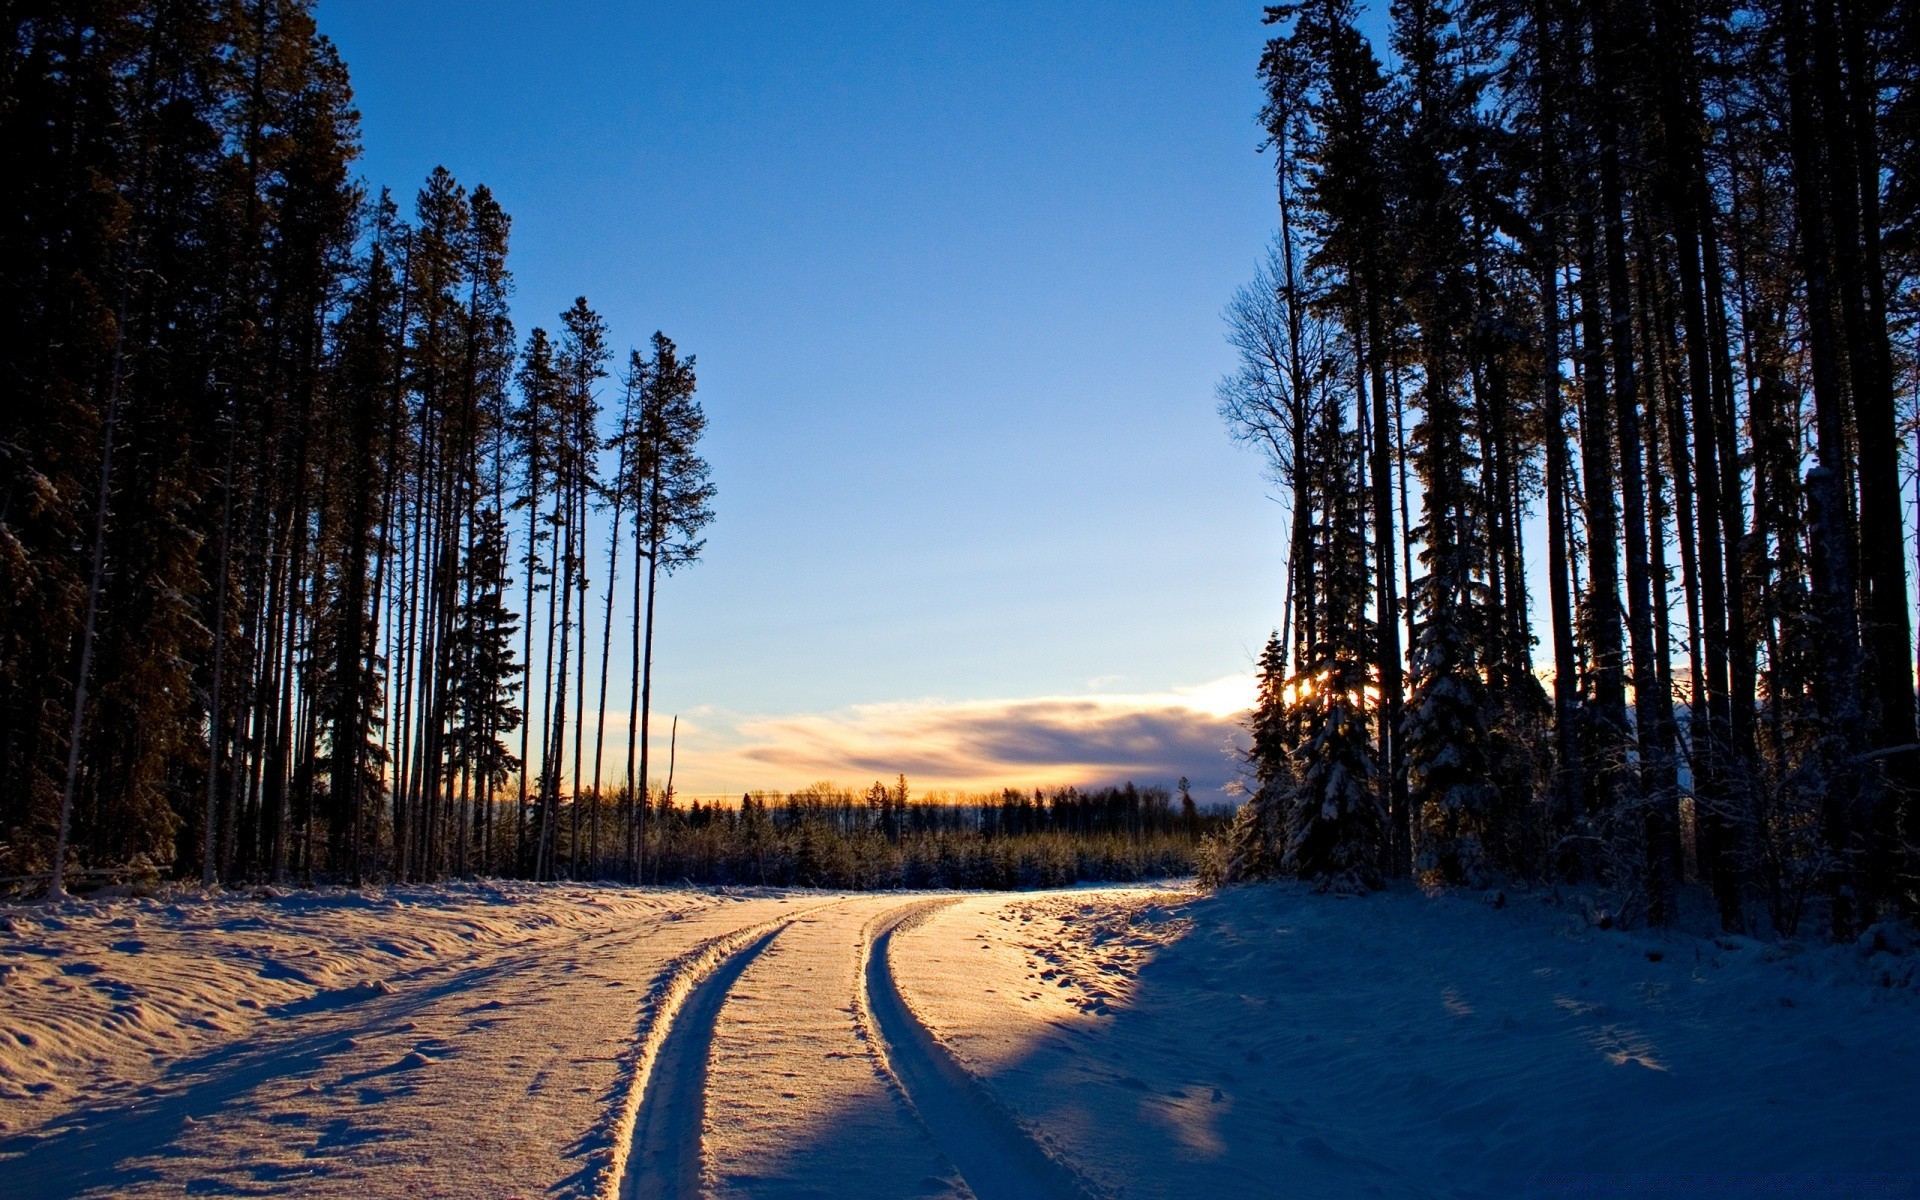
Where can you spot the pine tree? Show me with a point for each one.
(484, 683)
(1256, 840)
(534, 445)
(670, 494)
(1333, 819)
(584, 355)
(251, 494)
(350, 692)
(1714, 204)
(616, 495)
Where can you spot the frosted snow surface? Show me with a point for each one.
(517, 1040)
(1264, 1041)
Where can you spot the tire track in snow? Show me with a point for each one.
(798, 1106)
(994, 1153)
(656, 1133)
(664, 1163)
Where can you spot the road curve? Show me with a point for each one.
(997, 1157)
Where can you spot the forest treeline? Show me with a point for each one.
(308, 561)
(824, 836)
(1585, 353)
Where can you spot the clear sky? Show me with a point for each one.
(953, 274)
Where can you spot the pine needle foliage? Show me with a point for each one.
(1614, 295)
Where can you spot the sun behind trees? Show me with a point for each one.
(1576, 271)
(273, 458)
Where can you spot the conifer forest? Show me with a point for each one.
(1585, 358)
(294, 523)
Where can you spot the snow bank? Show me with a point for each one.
(1266, 1039)
(101, 994)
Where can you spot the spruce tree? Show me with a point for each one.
(1334, 820)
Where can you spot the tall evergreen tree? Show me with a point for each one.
(671, 495)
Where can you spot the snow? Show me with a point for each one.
(513, 1039)
(415, 1042)
(1405, 1045)
(792, 1085)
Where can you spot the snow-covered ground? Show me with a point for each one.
(515, 1040)
(1267, 1041)
(467, 1041)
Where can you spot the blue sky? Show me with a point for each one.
(953, 275)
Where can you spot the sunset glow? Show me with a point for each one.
(979, 745)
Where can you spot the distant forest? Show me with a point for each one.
(1615, 300)
(825, 836)
(294, 526)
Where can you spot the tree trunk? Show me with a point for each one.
(1830, 521)
(96, 580)
(208, 857)
(606, 649)
(1608, 728)
(655, 535)
(1387, 603)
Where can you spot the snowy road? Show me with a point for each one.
(794, 1068)
(669, 1045)
(1123, 1042)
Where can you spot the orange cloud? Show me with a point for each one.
(973, 745)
